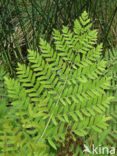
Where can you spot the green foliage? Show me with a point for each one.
(108, 138)
(22, 22)
(111, 57)
(62, 87)
(3, 93)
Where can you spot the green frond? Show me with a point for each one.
(63, 86)
(17, 92)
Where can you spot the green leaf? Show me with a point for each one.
(52, 143)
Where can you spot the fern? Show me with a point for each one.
(111, 56)
(111, 136)
(108, 137)
(63, 86)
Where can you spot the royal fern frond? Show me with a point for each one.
(63, 86)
